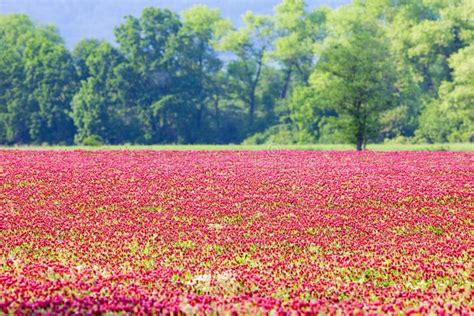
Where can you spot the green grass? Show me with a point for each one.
(375, 147)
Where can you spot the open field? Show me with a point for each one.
(318, 147)
(146, 231)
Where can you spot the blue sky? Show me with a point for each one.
(78, 19)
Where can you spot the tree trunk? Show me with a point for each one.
(251, 110)
(253, 89)
(360, 137)
(286, 84)
(194, 137)
(216, 113)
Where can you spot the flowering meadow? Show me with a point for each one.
(246, 232)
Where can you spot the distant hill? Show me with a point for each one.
(78, 19)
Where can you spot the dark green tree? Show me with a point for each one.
(144, 42)
(191, 58)
(38, 97)
(14, 116)
(97, 104)
(50, 78)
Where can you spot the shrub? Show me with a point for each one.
(93, 140)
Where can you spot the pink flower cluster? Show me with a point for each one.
(236, 232)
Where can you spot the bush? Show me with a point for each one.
(93, 140)
(400, 140)
(278, 134)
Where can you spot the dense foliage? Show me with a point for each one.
(370, 71)
(248, 232)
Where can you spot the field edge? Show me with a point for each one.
(467, 147)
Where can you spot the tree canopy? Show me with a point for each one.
(370, 71)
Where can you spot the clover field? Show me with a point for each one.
(279, 232)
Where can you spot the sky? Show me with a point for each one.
(78, 19)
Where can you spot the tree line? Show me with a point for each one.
(370, 71)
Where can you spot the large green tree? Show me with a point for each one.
(451, 117)
(298, 31)
(144, 42)
(14, 117)
(249, 46)
(41, 82)
(355, 73)
(97, 108)
(424, 35)
(50, 78)
(184, 111)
